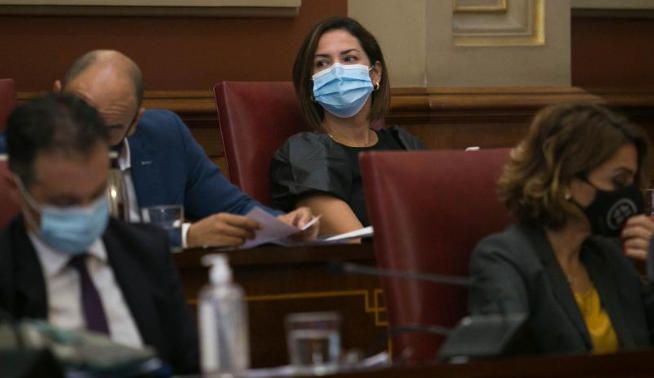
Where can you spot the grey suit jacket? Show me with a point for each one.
(516, 271)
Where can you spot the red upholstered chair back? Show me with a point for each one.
(8, 208)
(7, 100)
(429, 209)
(255, 118)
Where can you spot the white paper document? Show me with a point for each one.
(277, 232)
(272, 229)
(360, 233)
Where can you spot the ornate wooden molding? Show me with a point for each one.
(408, 102)
(498, 23)
(221, 8)
(412, 100)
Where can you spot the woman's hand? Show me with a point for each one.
(637, 236)
(299, 218)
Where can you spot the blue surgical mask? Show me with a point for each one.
(342, 90)
(70, 229)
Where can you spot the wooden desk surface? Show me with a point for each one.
(625, 364)
(276, 255)
(279, 281)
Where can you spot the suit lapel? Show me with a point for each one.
(606, 287)
(135, 289)
(31, 299)
(560, 287)
(144, 171)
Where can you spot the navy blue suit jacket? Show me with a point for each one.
(170, 167)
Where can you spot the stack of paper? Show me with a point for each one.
(277, 232)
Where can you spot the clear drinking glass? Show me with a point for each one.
(170, 218)
(314, 341)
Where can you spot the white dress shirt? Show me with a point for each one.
(125, 164)
(63, 289)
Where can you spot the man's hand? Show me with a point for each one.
(299, 218)
(637, 236)
(221, 230)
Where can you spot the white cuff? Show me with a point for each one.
(185, 228)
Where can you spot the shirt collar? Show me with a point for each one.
(125, 158)
(53, 261)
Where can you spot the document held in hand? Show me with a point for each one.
(277, 232)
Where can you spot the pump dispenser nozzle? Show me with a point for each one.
(219, 272)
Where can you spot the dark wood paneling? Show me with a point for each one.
(179, 53)
(442, 118)
(612, 51)
(279, 281)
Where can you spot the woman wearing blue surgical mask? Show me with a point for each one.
(573, 185)
(342, 84)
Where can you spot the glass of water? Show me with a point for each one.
(314, 341)
(170, 218)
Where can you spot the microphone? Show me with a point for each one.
(474, 337)
(346, 267)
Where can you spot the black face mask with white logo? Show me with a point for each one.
(610, 210)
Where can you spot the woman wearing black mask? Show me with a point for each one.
(573, 187)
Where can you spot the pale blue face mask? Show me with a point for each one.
(70, 229)
(341, 89)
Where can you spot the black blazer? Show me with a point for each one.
(144, 271)
(516, 271)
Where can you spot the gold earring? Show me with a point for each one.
(567, 196)
(376, 85)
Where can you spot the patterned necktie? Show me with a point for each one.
(92, 308)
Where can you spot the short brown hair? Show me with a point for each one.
(303, 69)
(564, 141)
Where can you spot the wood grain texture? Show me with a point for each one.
(442, 118)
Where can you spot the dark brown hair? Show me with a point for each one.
(55, 122)
(564, 142)
(303, 69)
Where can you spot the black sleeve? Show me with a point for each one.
(407, 140)
(498, 286)
(307, 164)
(648, 292)
(182, 332)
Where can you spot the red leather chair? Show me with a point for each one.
(7, 100)
(429, 209)
(255, 118)
(8, 208)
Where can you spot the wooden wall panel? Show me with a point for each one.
(175, 53)
(612, 51)
(442, 118)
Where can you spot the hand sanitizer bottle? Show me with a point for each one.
(224, 344)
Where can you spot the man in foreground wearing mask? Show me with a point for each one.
(566, 263)
(162, 163)
(64, 260)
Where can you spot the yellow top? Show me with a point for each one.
(597, 321)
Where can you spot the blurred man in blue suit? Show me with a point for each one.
(161, 162)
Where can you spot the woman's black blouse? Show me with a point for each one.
(310, 163)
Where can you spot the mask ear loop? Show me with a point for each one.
(31, 202)
(26, 195)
